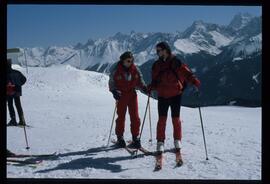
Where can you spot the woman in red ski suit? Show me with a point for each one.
(169, 77)
(124, 79)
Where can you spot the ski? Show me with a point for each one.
(142, 149)
(34, 166)
(178, 159)
(158, 165)
(20, 126)
(179, 163)
(28, 126)
(129, 150)
(25, 161)
(145, 151)
(31, 155)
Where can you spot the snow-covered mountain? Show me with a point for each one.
(243, 34)
(247, 37)
(70, 111)
(207, 48)
(240, 20)
(201, 36)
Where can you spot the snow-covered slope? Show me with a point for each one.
(71, 113)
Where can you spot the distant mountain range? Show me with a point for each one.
(227, 59)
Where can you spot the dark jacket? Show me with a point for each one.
(16, 78)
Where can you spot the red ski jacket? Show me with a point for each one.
(126, 79)
(169, 77)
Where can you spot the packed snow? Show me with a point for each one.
(71, 111)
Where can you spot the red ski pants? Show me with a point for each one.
(130, 101)
(163, 106)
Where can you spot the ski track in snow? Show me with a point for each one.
(71, 113)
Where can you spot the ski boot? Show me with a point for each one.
(178, 157)
(12, 122)
(121, 142)
(159, 155)
(136, 143)
(22, 121)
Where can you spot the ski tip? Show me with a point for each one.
(157, 168)
(39, 161)
(24, 162)
(179, 164)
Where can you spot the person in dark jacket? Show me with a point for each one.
(15, 80)
(169, 77)
(124, 79)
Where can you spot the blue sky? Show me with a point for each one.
(62, 25)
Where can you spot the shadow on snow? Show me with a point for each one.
(106, 163)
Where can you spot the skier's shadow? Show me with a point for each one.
(106, 163)
(91, 151)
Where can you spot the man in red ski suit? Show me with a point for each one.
(124, 79)
(169, 77)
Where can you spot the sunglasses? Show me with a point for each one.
(129, 61)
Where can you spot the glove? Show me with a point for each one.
(196, 82)
(149, 88)
(144, 89)
(116, 94)
(11, 89)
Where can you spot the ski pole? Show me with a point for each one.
(25, 61)
(202, 129)
(150, 140)
(112, 123)
(25, 135)
(143, 121)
